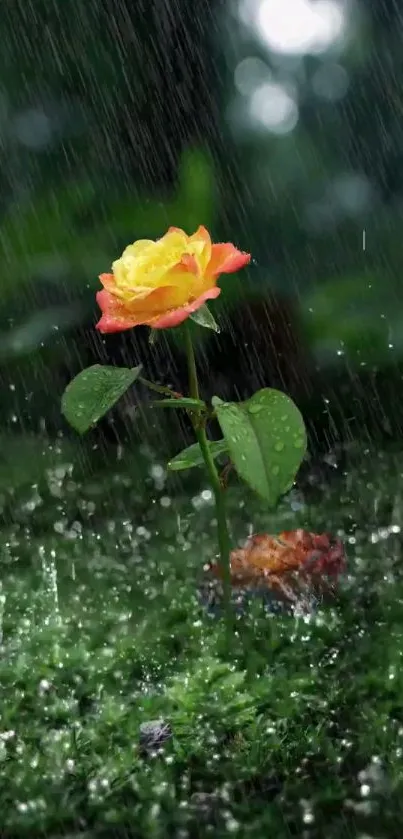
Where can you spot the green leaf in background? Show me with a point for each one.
(203, 317)
(40, 327)
(46, 239)
(180, 402)
(192, 456)
(94, 392)
(266, 440)
(356, 318)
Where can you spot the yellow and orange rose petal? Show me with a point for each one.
(188, 263)
(225, 259)
(117, 315)
(200, 242)
(201, 233)
(173, 229)
(177, 316)
(109, 324)
(162, 283)
(121, 293)
(109, 282)
(201, 237)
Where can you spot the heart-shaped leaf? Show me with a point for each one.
(266, 440)
(192, 456)
(94, 392)
(203, 317)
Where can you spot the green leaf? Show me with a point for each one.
(192, 456)
(38, 329)
(94, 392)
(266, 440)
(180, 402)
(203, 317)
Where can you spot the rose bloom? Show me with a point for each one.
(286, 561)
(160, 283)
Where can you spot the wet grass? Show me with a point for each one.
(299, 732)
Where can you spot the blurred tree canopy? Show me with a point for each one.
(119, 119)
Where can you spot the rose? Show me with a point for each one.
(160, 283)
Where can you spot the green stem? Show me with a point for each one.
(166, 391)
(199, 425)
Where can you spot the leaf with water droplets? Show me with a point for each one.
(203, 317)
(265, 454)
(94, 392)
(192, 456)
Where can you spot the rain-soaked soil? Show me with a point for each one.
(121, 713)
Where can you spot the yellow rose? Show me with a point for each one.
(160, 283)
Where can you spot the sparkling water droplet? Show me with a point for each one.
(278, 447)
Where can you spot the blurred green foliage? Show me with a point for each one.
(65, 238)
(103, 634)
(117, 121)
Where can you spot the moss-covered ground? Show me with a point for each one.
(297, 732)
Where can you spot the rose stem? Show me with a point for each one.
(199, 426)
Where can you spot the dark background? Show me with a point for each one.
(120, 119)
